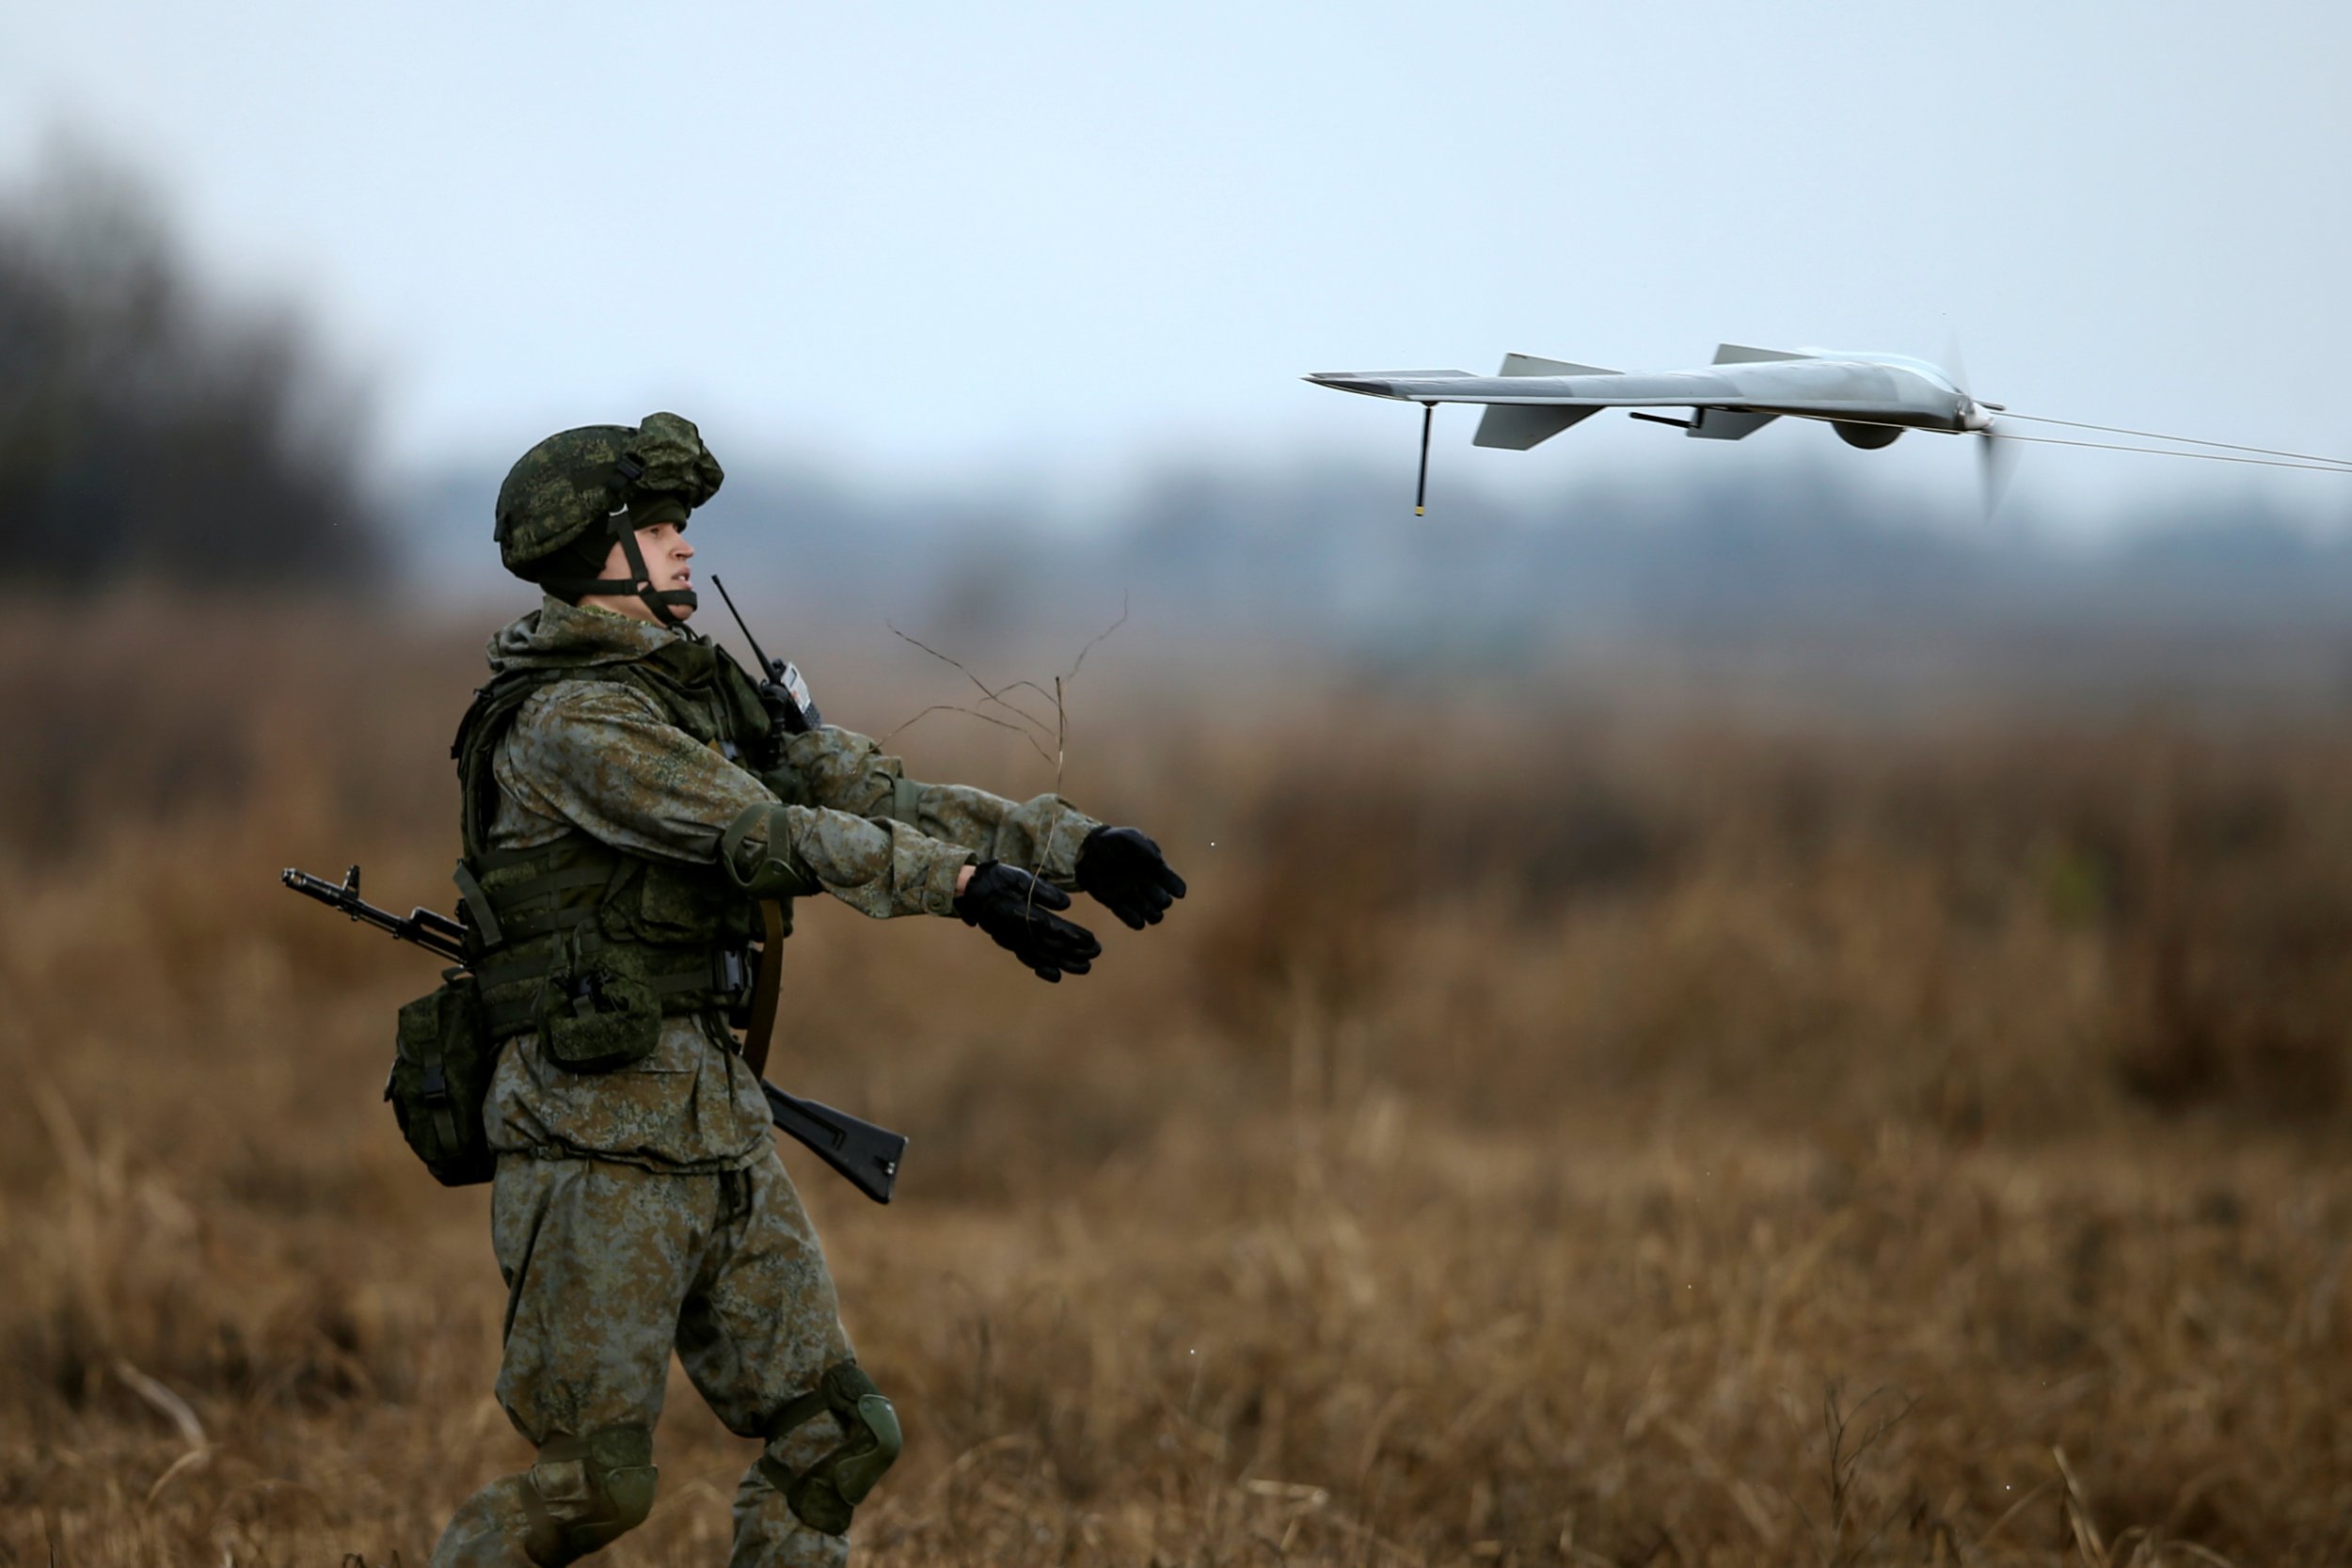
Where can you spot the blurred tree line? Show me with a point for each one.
(151, 429)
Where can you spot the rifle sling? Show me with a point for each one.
(761, 1030)
(486, 920)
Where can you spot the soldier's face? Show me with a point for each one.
(666, 553)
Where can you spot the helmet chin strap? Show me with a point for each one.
(659, 602)
(621, 524)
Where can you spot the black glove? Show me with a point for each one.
(1015, 910)
(1125, 869)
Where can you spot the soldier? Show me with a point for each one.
(629, 802)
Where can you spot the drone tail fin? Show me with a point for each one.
(1528, 364)
(1517, 427)
(1728, 425)
(1740, 354)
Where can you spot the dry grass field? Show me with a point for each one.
(1558, 1130)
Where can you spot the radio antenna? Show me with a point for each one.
(767, 670)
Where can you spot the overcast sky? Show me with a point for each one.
(1063, 240)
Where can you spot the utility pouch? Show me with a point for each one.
(597, 1014)
(440, 1076)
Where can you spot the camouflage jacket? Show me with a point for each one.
(600, 757)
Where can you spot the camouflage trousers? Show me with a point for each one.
(608, 1268)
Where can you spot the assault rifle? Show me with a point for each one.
(867, 1156)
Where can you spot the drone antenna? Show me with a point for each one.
(1420, 490)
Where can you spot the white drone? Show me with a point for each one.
(1869, 399)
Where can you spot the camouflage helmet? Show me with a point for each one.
(571, 498)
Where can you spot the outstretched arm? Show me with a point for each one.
(1061, 845)
(600, 756)
(843, 771)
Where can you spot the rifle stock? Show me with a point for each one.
(863, 1154)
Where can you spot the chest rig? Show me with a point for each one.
(547, 924)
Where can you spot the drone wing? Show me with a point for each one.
(1531, 399)
(1582, 388)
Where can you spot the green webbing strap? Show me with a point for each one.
(690, 962)
(697, 970)
(539, 922)
(554, 881)
(524, 923)
(807, 1407)
(773, 876)
(437, 1095)
(499, 860)
(906, 802)
(486, 920)
(738, 831)
(684, 981)
(497, 976)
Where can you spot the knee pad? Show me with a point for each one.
(592, 1489)
(828, 1492)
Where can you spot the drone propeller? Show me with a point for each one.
(1996, 460)
(1996, 456)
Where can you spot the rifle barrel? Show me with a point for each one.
(435, 932)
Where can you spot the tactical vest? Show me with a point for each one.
(556, 924)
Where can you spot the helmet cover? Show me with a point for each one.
(605, 480)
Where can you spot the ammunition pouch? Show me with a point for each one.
(597, 1014)
(440, 1077)
(828, 1492)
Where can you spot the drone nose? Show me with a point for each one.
(1350, 381)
